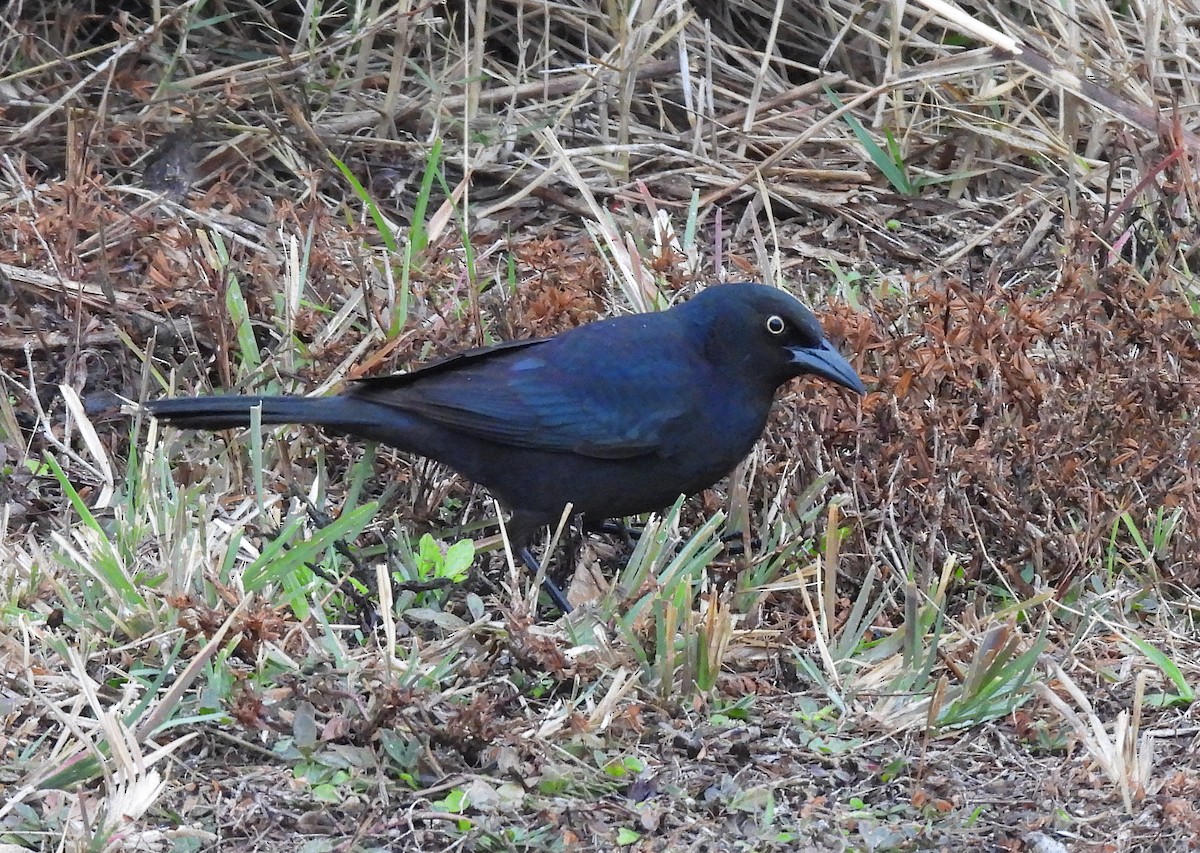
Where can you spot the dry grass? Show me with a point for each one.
(980, 630)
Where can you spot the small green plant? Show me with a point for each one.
(734, 713)
(786, 546)
(656, 605)
(426, 572)
(997, 680)
(625, 767)
(452, 564)
(289, 552)
(890, 161)
(381, 223)
(627, 837)
(1148, 551)
(235, 303)
(1184, 695)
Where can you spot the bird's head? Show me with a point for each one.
(769, 334)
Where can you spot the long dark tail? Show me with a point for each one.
(341, 414)
(363, 418)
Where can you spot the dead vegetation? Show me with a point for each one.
(995, 206)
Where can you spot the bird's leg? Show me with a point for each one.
(614, 527)
(551, 588)
(520, 530)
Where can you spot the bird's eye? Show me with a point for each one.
(776, 325)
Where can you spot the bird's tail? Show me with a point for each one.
(341, 414)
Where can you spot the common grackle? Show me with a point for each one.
(617, 417)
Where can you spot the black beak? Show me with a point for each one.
(828, 363)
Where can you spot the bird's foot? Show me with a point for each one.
(614, 527)
(735, 542)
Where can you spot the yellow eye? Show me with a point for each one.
(776, 325)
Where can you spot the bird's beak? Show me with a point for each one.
(828, 363)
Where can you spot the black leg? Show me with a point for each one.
(614, 527)
(735, 543)
(551, 588)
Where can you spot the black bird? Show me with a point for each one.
(617, 417)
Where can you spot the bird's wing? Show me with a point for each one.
(542, 395)
(472, 358)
